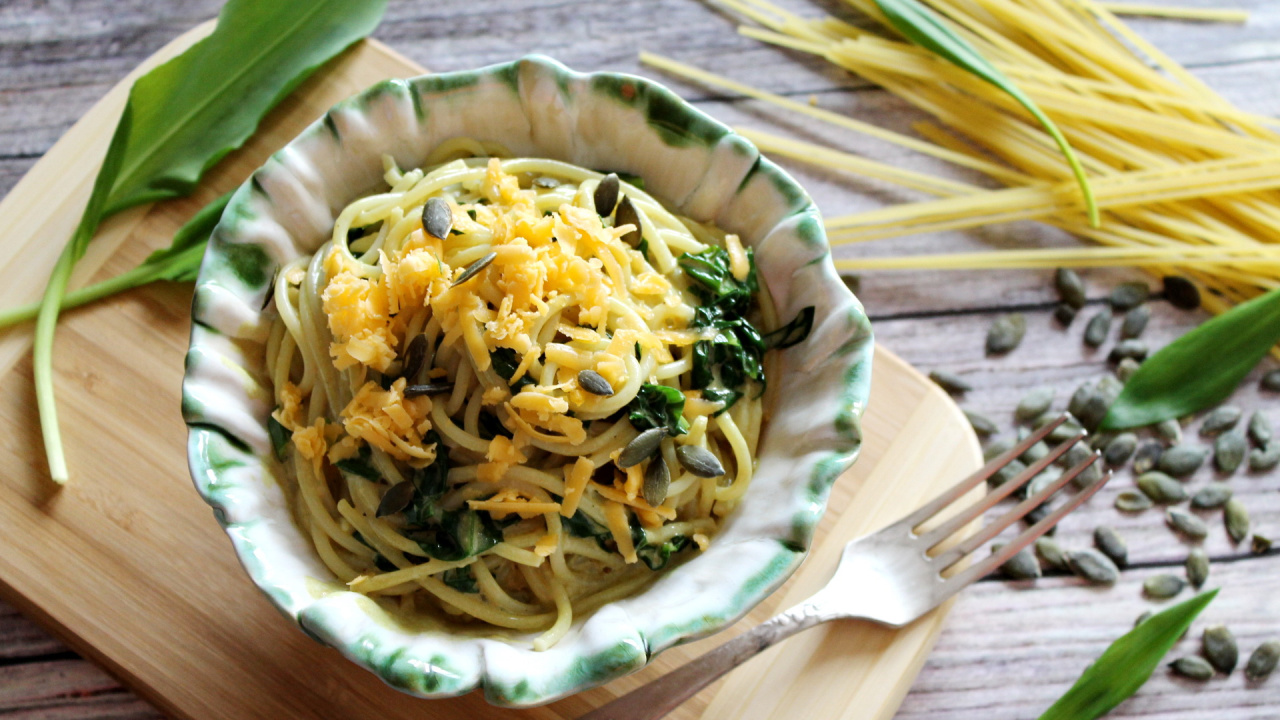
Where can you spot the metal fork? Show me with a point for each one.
(888, 576)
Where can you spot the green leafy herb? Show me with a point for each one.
(459, 534)
(505, 363)
(921, 26)
(716, 287)
(460, 579)
(279, 435)
(1201, 368)
(657, 556)
(184, 116)
(658, 406)
(1127, 663)
(582, 525)
(361, 465)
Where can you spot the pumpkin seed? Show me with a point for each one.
(1093, 566)
(414, 357)
(1145, 616)
(996, 448)
(437, 218)
(1042, 480)
(1095, 332)
(1100, 440)
(1119, 450)
(950, 382)
(545, 181)
(1075, 455)
(1229, 451)
(1063, 432)
(1132, 501)
(1192, 667)
(474, 268)
(1182, 460)
(413, 391)
(1264, 458)
(606, 195)
(1197, 568)
(1005, 333)
(1070, 287)
(1006, 473)
(1263, 661)
(1109, 543)
(1223, 418)
(1271, 381)
(1022, 566)
(1181, 292)
(594, 383)
(1034, 453)
(1259, 428)
(1034, 404)
(1038, 513)
(1131, 348)
(1213, 495)
(699, 461)
(1110, 387)
(1236, 517)
(1091, 475)
(1051, 553)
(981, 424)
(1161, 488)
(1163, 587)
(1186, 523)
(1147, 456)
(1126, 368)
(642, 447)
(1128, 295)
(1064, 313)
(1260, 544)
(1218, 645)
(1170, 430)
(657, 478)
(1088, 406)
(1135, 321)
(396, 499)
(627, 215)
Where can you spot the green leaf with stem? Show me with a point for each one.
(184, 116)
(921, 26)
(1201, 368)
(1127, 664)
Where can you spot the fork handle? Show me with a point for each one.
(655, 699)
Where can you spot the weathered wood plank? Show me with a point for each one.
(66, 689)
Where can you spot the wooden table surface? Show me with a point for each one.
(1009, 649)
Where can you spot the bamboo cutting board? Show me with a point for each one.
(128, 566)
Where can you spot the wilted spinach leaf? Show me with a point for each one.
(658, 406)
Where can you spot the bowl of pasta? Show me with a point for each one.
(513, 378)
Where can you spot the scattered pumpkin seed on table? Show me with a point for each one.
(1093, 566)
(1120, 449)
(1034, 404)
(1109, 543)
(1110, 387)
(1095, 332)
(997, 447)
(1063, 432)
(1162, 587)
(1132, 348)
(1181, 460)
(1192, 667)
(1186, 523)
(1181, 292)
(1043, 480)
(1126, 368)
(1022, 566)
(1064, 313)
(1265, 458)
(1218, 645)
(1170, 430)
(1051, 553)
(1263, 661)
(1213, 495)
(1128, 295)
(1221, 419)
(1161, 488)
(1035, 452)
(1145, 616)
(1005, 333)
(1259, 428)
(1197, 567)
(952, 383)
(981, 424)
(1100, 440)
(1229, 451)
(1271, 381)
(1135, 321)
(1133, 501)
(1260, 544)
(1236, 517)
(1010, 471)
(1070, 287)
(1088, 405)
(1147, 456)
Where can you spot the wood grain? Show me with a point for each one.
(1001, 654)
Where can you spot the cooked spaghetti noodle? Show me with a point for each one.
(519, 420)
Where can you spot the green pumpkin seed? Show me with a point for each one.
(657, 478)
(1109, 543)
(1135, 321)
(699, 461)
(426, 389)
(606, 195)
(1100, 440)
(1147, 456)
(1213, 495)
(1070, 287)
(1170, 430)
(1095, 332)
(1005, 333)
(1131, 348)
(1042, 481)
(1236, 517)
(1182, 460)
(1197, 568)
(396, 499)
(1265, 458)
(1229, 451)
(1075, 455)
(1034, 404)
(1051, 553)
(437, 218)
(1063, 432)
(1181, 292)
(1129, 295)
(1145, 616)
(1218, 645)
(1260, 544)
(642, 447)
(1163, 587)
(415, 356)
(594, 383)
(1088, 405)
(1186, 523)
(1192, 667)
(1092, 474)
(1259, 428)
(1126, 368)
(1093, 566)
(952, 383)
(1161, 488)
(1022, 566)
(545, 181)
(981, 424)
(1263, 661)
(1034, 453)
(1271, 381)
(996, 448)
(1064, 313)
(1110, 388)
(1038, 513)
(627, 215)
(1132, 501)
(1223, 418)
(1119, 450)
(1006, 473)
(474, 268)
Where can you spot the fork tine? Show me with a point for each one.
(988, 501)
(988, 565)
(949, 557)
(964, 486)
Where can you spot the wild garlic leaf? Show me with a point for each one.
(180, 262)
(1127, 663)
(921, 26)
(1201, 368)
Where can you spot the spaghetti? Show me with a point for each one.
(517, 409)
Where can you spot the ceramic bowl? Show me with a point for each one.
(536, 107)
